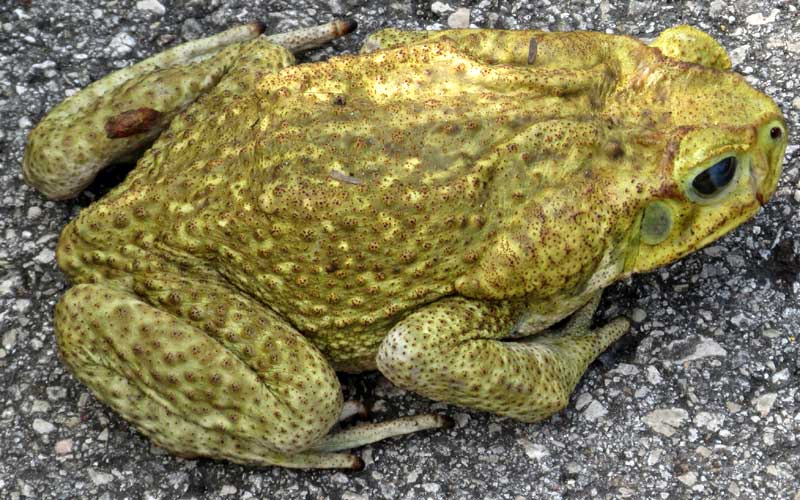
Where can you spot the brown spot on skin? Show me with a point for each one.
(132, 122)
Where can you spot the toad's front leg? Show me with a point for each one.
(117, 116)
(452, 351)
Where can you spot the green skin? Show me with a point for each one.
(409, 209)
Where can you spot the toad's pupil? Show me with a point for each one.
(776, 132)
(711, 180)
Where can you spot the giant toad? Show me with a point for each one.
(427, 208)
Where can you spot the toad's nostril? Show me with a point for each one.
(775, 132)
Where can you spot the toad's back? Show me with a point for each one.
(341, 194)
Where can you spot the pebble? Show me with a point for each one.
(56, 392)
(771, 333)
(717, 8)
(653, 375)
(34, 212)
(637, 8)
(191, 29)
(535, 451)
(441, 8)
(431, 487)
(689, 479)
(43, 426)
(781, 376)
(46, 256)
(666, 421)
(99, 478)
(758, 18)
(459, 18)
(122, 44)
(594, 411)
(739, 54)
(707, 347)
(584, 399)
(152, 6)
(764, 403)
(654, 456)
(733, 407)
(227, 489)
(63, 447)
(10, 338)
(638, 315)
(40, 406)
(710, 421)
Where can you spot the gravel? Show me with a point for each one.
(700, 400)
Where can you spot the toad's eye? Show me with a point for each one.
(712, 180)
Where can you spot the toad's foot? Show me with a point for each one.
(210, 373)
(451, 351)
(117, 116)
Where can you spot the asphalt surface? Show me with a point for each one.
(700, 400)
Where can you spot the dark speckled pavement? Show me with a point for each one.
(701, 400)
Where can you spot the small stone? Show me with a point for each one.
(626, 369)
(34, 212)
(431, 487)
(191, 29)
(56, 392)
(689, 479)
(122, 44)
(717, 8)
(764, 403)
(733, 407)
(796, 102)
(637, 8)
(734, 490)
(710, 421)
(152, 6)
(462, 419)
(459, 18)
(703, 451)
(758, 18)
(638, 315)
(103, 436)
(99, 478)
(227, 489)
(535, 451)
(63, 447)
(46, 256)
(706, 348)
(781, 376)
(441, 8)
(666, 421)
(771, 333)
(594, 411)
(584, 399)
(10, 338)
(43, 426)
(40, 406)
(739, 54)
(653, 375)
(654, 457)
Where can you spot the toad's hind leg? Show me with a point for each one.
(117, 116)
(450, 351)
(209, 374)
